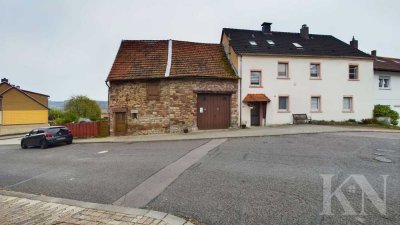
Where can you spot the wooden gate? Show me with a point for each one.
(213, 111)
(120, 123)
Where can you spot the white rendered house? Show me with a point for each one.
(298, 73)
(387, 81)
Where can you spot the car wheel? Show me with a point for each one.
(23, 145)
(69, 142)
(43, 144)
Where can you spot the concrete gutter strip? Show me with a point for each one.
(141, 195)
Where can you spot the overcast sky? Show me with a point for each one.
(65, 48)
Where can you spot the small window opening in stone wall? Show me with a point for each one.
(135, 114)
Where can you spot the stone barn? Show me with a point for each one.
(171, 86)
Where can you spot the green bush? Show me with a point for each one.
(59, 117)
(55, 114)
(69, 117)
(369, 121)
(83, 107)
(386, 111)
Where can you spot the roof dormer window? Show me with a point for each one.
(297, 45)
(253, 43)
(271, 42)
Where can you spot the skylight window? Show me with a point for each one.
(396, 61)
(271, 42)
(297, 45)
(253, 43)
(380, 60)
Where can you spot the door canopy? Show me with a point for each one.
(256, 98)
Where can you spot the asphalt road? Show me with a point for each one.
(85, 171)
(266, 180)
(277, 180)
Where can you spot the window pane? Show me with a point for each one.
(315, 103)
(386, 83)
(347, 101)
(282, 69)
(380, 82)
(353, 70)
(283, 103)
(314, 70)
(255, 78)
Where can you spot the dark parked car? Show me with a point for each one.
(43, 137)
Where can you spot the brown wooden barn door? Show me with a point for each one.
(213, 111)
(120, 123)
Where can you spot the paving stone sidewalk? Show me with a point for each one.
(21, 208)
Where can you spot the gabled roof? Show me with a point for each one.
(316, 45)
(12, 87)
(34, 93)
(386, 64)
(139, 59)
(26, 91)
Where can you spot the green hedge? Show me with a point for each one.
(386, 111)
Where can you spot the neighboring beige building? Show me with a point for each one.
(21, 110)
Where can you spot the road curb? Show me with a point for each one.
(229, 137)
(168, 218)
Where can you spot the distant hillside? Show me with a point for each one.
(60, 105)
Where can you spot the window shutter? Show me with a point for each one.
(153, 90)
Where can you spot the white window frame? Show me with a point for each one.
(383, 78)
(287, 103)
(286, 70)
(259, 78)
(318, 65)
(318, 103)
(351, 104)
(355, 73)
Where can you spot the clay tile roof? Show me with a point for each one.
(200, 60)
(387, 64)
(256, 98)
(140, 59)
(148, 59)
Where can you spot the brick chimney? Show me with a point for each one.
(304, 32)
(266, 28)
(354, 43)
(373, 52)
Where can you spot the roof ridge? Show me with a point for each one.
(280, 32)
(174, 40)
(390, 58)
(34, 92)
(24, 94)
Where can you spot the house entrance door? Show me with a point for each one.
(120, 123)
